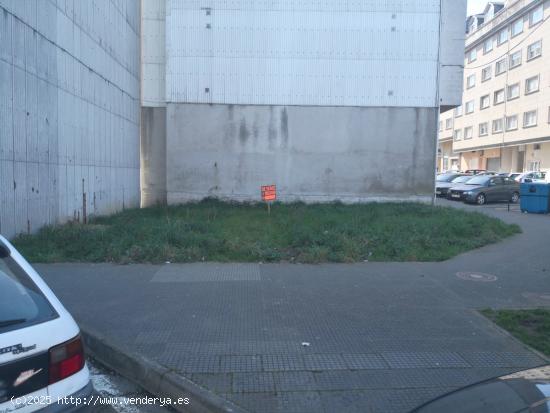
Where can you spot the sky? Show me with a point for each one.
(476, 6)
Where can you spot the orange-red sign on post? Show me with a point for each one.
(269, 193)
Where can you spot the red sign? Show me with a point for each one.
(269, 193)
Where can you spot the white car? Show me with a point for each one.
(533, 176)
(42, 360)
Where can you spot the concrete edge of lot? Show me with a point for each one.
(513, 337)
(155, 378)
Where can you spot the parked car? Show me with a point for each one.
(482, 189)
(446, 181)
(525, 391)
(474, 171)
(533, 176)
(41, 352)
(488, 173)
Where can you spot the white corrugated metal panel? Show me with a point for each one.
(6, 28)
(7, 201)
(20, 196)
(19, 115)
(153, 46)
(331, 52)
(453, 15)
(74, 74)
(6, 110)
(33, 202)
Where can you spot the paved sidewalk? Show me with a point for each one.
(380, 337)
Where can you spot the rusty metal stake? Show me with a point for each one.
(83, 203)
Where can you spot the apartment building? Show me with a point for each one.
(503, 123)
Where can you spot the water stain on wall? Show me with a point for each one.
(244, 133)
(271, 130)
(284, 127)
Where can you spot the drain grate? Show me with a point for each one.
(476, 276)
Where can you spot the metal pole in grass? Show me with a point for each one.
(269, 194)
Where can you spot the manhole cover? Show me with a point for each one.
(476, 276)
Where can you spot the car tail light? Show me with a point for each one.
(66, 359)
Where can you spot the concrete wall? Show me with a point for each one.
(328, 100)
(153, 156)
(310, 153)
(69, 110)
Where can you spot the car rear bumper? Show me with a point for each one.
(74, 402)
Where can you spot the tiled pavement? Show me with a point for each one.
(383, 337)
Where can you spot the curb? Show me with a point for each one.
(155, 378)
(514, 338)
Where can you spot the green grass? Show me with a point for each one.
(216, 231)
(530, 326)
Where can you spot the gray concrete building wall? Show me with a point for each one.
(311, 153)
(326, 102)
(69, 110)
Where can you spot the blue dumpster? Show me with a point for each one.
(535, 197)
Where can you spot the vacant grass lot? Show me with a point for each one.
(217, 231)
(530, 326)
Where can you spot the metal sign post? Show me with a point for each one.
(269, 194)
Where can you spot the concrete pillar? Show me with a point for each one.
(153, 156)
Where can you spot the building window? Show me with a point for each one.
(468, 132)
(448, 123)
(502, 36)
(517, 27)
(536, 16)
(483, 129)
(484, 102)
(500, 67)
(497, 126)
(471, 81)
(457, 135)
(458, 111)
(534, 50)
(515, 59)
(512, 122)
(469, 106)
(499, 97)
(532, 85)
(472, 56)
(488, 45)
(486, 73)
(440, 126)
(548, 114)
(530, 119)
(534, 166)
(513, 91)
